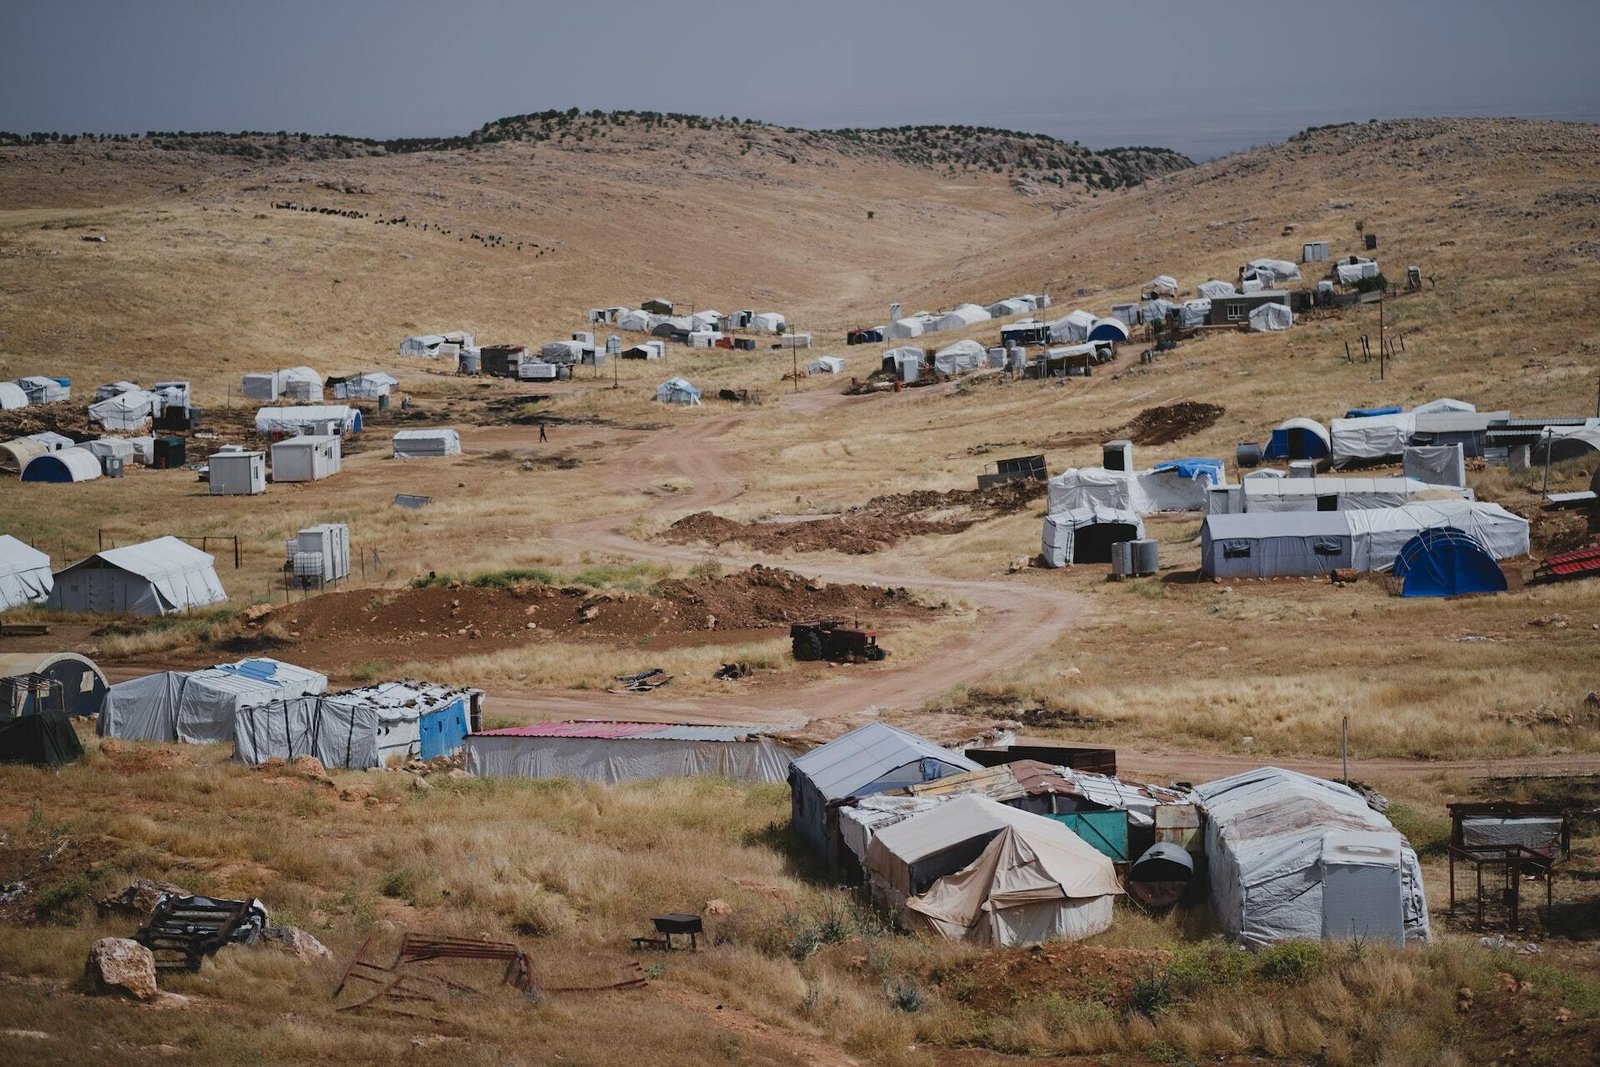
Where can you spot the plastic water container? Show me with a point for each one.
(1145, 555)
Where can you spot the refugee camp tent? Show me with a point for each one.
(904, 362)
(1442, 405)
(368, 385)
(677, 391)
(42, 390)
(1352, 269)
(1015, 305)
(709, 319)
(825, 365)
(899, 329)
(1194, 312)
(24, 573)
(68, 465)
(1108, 330)
(614, 752)
(52, 441)
(200, 707)
(1446, 562)
(144, 449)
(42, 739)
(1378, 535)
(1177, 486)
(1565, 443)
(116, 447)
(561, 351)
(1281, 269)
(1370, 436)
(16, 455)
(1159, 311)
(1161, 285)
(962, 316)
(83, 684)
(1342, 494)
(126, 411)
(770, 321)
(1213, 289)
(149, 578)
(306, 458)
(644, 350)
(1086, 534)
(378, 726)
(12, 396)
(633, 320)
(1297, 857)
(1298, 439)
(111, 389)
(1436, 464)
(1271, 318)
(315, 419)
(430, 443)
(1072, 327)
(425, 345)
(959, 358)
(869, 759)
(972, 869)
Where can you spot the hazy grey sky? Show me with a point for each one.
(1202, 77)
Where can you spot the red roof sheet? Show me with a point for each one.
(1578, 561)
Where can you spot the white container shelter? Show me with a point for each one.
(307, 458)
(237, 473)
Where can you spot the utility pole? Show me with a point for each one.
(794, 359)
(1344, 748)
(1549, 434)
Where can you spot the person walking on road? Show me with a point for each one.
(542, 437)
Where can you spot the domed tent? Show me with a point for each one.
(1108, 330)
(16, 455)
(12, 396)
(83, 684)
(24, 573)
(1086, 534)
(68, 465)
(1447, 562)
(1298, 439)
(677, 391)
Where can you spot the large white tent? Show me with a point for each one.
(615, 752)
(1444, 405)
(200, 707)
(959, 358)
(429, 443)
(368, 385)
(901, 329)
(315, 419)
(126, 411)
(24, 573)
(633, 320)
(1269, 318)
(678, 391)
(17, 454)
(12, 396)
(770, 321)
(1280, 269)
(1213, 289)
(1072, 327)
(1293, 856)
(150, 578)
(1178, 487)
(1085, 534)
(1370, 436)
(962, 316)
(904, 362)
(42, 390)
(68, 465)
(1162, 285)
(425, 345)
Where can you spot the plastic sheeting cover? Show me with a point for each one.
(24, 573)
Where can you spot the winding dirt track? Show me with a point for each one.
(1015, 621)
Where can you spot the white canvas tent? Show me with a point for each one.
(972, 869)
(430, 443)
(1014, 305)
(1213, 289)
(68, 465)
(1194, 312)
(42, 390)
(770, 321)
(1443, 405)
(1269, 318)
(1159, 310)
(1162, 285)
(52, 441)
(677, 391)
(1141, 492)
(118, 447)
(24, 573)
(126, 411)
(1293, 856)
(1436, 465)
(13, 396)
(615, 752)
(150, 578)
(1085, 534)
(368, 385)
(561, 351)
(1280, 269)
(1370, 437)
(709, 319)
(1352, 269)
(1342, 494)
(826, 365)
(424, 345)
(635, 320)
(1072, 327)
(962, 316)
(901, 329)
(961, 357)
(17, 454)
(308, 419)
(199, 707)
(905, 362)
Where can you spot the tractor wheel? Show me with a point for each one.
(807, 645)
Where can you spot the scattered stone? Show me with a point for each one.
(456, 774)
(295, 940)
(26, 1035)
(421, 785)
(138, 898)
(718, 906)
(119, 965)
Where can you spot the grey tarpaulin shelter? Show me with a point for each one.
(24, 573)
(150, 578)
(1298, 857)
(200, 706)
(1436, 464)
(360, 729)
(869, 759)
(614, 752)
(1086, 534)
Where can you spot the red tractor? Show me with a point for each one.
(832, 640)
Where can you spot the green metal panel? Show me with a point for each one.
(1105, 830)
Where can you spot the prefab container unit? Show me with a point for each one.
(238, 473)
(1314, 252)
(169, 453)
(320, 553)
(307, 458)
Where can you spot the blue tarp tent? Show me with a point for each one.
(1445, 561)
(1189, 468)
(1367, 413)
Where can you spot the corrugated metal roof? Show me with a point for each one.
(1578, 561)
(635, 731)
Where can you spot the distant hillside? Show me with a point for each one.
(1032, 161)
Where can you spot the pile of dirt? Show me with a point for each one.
(1171, 422)
(881, 522)
(994, 983)
(338, 629)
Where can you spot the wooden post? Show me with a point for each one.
(1344, 748)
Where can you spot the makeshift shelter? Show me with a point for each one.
(68, 465)
(1298, 439)
(1352, 269)
(1370, 436)
(825, 365)
(368, 385)
(111, 389)
(770, 321)
(12, 396)
(644, 350)
(1436, 464)
(301, 384)
(1297, 857)
(1086, 534)
(975, 870)
(16, 455)
(150, 578)
(120, 448)
(1177, 486)
(1072, 328)
(1469, 429)
(42, 390)
(127, 412)
(561, 351)
(315, 419)
(306, 458)
(904, 362)
(52, 441)
(200, 707)
(1577, 442)
(870, 759)
(1213, 289)
(1108, 330)
(1269, 318)
(143, 449)
(709, 319)
(615, 752)
(433, 442)
(638, 321)
(1194, 312)
(24, 573)
(1280, 269)
(379, 726)
(961, 357)
(1161, 285)
(82, 683)
(43, 740)
(677, 391)
(962, 316)
(1159, 311)
(424, 345)
(1446, 562)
